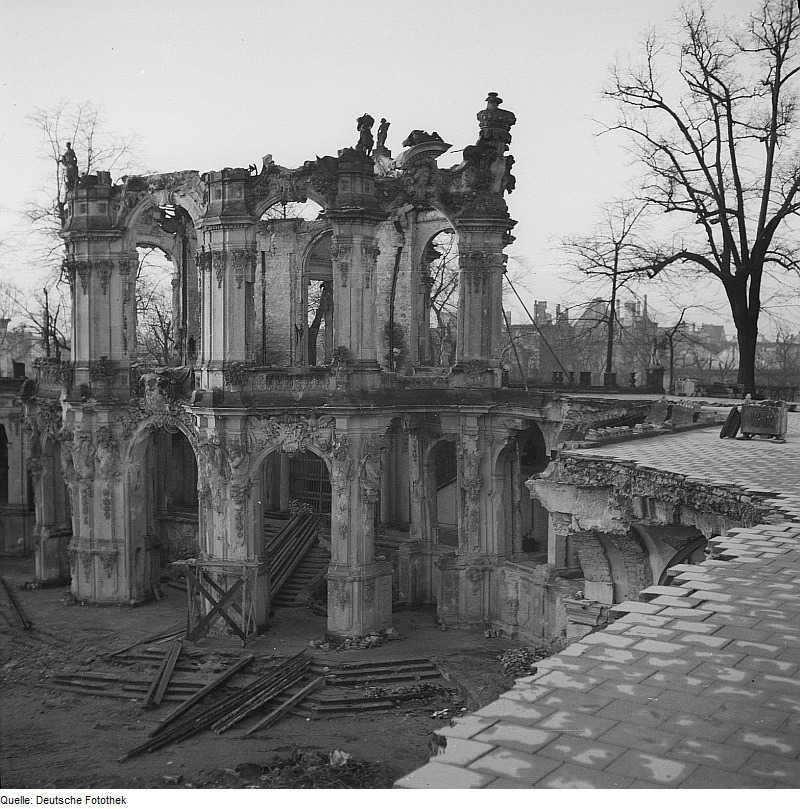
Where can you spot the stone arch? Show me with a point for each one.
(506, 484)
(149, 540)
(317, 300)
(438, 290)
(443, 496)
(274, 199)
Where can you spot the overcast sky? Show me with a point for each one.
(211, 83)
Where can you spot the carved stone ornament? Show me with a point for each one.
(109, 561)
(341, 594)
(106, 453)
(87, 562)
(235, 373)
(371, 468)
(101, 370)
(107, 502)
(291, 434)
(243, 261)
(103, 267)
(475, 578)
(34, 466)
(218, 266)
(371, 253)
(340, 253)
(240, 494)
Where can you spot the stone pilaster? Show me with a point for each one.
(226, 262)
(355, 251)
(359, 584)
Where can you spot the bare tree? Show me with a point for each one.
(155, 332)
(84, 127)
(715, 133)
(610, 259)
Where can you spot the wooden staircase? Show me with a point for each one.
(295, 557)
(314, 563)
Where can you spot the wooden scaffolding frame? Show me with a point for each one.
(208, 601)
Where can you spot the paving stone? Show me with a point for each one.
(784, 667)
(649, 767)
(575, 723)
(658, 590)
(638, 631)
(709, 641)
(676, 665)
(672, 601)
(513, 764)
(443, 776)
(613, 655)
(464, 727)
(516, 737)
(561, 679)
(636, 607)
(778, 744)
(693, 626)
(710, 595)
(524, 713)
(684, 612)
(571, 776)
(460, 751)
(725, 756)
(754, 718)
(650, 715)
(586, 752)
(618, 671)
(606, 639)
(636, 692)
(782, 770)
(659, 647)
(699, 727)
(576, 701)
(641, 619)
(640, 737)
(507, 783)
(685, 683)
(713, 778)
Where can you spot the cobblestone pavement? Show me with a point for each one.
(696, 686)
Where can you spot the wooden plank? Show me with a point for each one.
(272, 717)
(202, 694)
(172, 659)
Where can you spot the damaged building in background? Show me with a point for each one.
(307, 372)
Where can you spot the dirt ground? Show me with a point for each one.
(52, 738)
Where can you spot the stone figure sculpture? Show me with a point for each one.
(70, 162)
(365, 139)
(383, 131)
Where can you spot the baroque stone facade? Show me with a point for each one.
(416, 462)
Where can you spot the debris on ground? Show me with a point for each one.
(305, 770)
(520, 661)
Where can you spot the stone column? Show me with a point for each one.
(227, 258)
(464, 589)
(354, 249)
(421, 542)
(359, 584)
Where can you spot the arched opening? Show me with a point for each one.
(442, 477)
(166, 289)
(317, 340)
(3, 466)
(508, 516)
(439, 282)
(309, 211)
(292, 484)
(162, 505)
(534, 518)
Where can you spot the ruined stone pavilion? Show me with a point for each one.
(307, 373)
